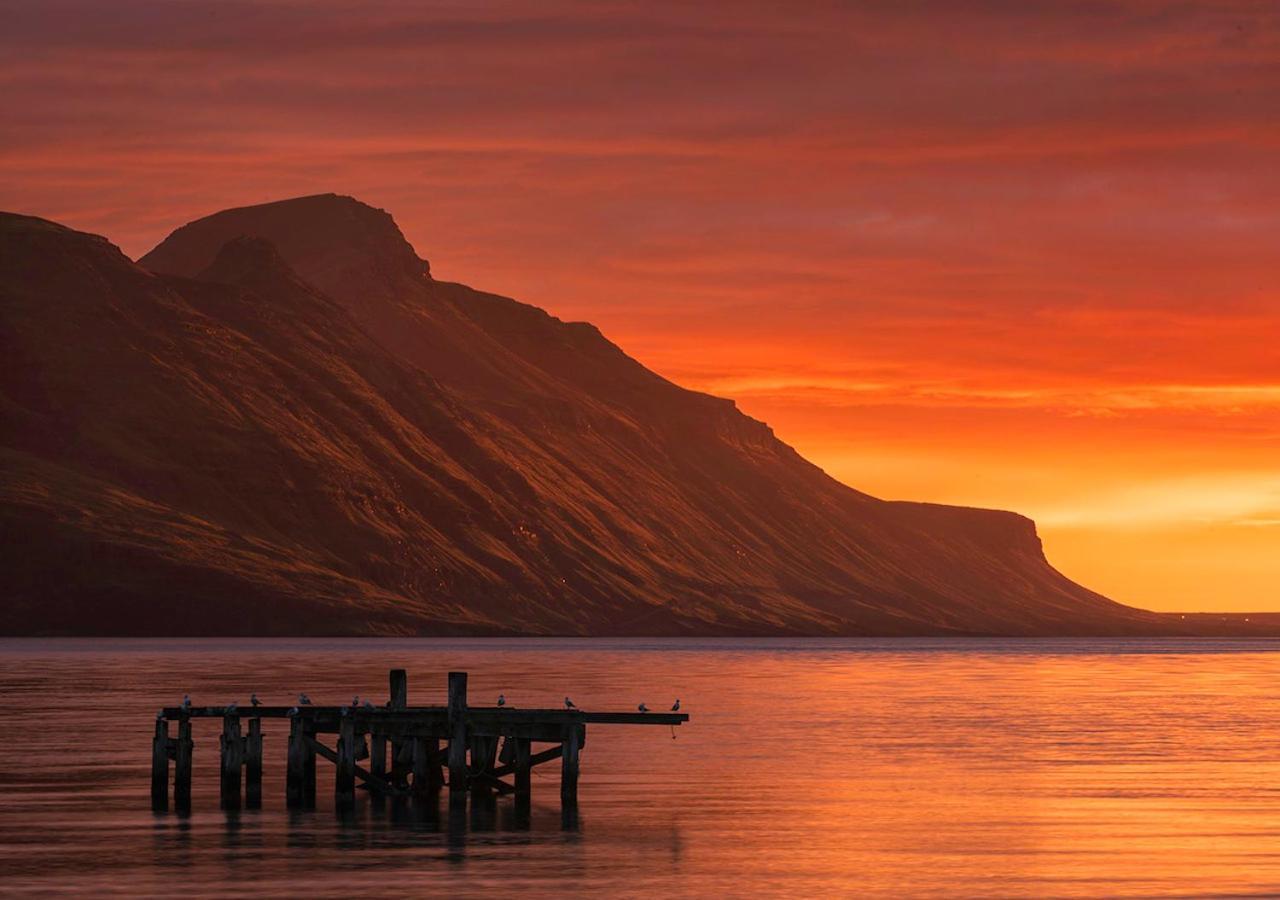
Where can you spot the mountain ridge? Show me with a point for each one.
(278, 422)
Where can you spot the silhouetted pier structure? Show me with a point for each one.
(409, 749)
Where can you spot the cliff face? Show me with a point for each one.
(278, 422)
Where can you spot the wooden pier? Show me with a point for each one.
(412, 751)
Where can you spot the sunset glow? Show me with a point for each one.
(966, 252)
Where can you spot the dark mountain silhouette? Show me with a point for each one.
(277, 422)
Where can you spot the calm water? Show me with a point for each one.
(895, 768)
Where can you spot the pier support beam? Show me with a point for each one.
(421, 766)
(160, 767)
(232, 760)
(344, 782)
(182, 768)
(401, 750)
(378, 754)
(523, 768)
(295, 763)
(571, 739)
(253, 765)
(457, 737)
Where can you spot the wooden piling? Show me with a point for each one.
(253, 765)
(378, 754)
(182, 767)
(571, 741)
(457, 735)
(421, 767)
(308, 767)
(399, 688)
(295, 764)
(232, 760)
(160, 767)
(401, 750)
(523, 768)
(344, 782)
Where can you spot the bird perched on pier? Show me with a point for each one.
(368, 704)
(355, 702)
(675, 707)
(231, 707)
(253, 698)
(160, 715)
(304, 700)
(293, 711)
(568, 704)
(502, 699)
(345, 711)
(642, 708)
(186, 703)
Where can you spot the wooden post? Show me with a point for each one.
(421, 767)
(401, 751)
(572, 742)
(253, 765)
(378, 754)
(182, 767)
(295, 764)
(457, 736)
(160, 767)
(232, 760)
(399, 689)
(344, 782)
(524, 771)
(308, 768)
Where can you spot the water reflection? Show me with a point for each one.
(872, 768)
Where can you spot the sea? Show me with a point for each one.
(808, 768)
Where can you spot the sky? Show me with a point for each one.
(1011, 254)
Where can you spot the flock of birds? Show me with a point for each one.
(304, 700)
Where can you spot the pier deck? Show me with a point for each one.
(410, 749)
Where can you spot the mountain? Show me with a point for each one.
(278, 422)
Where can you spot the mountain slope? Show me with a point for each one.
(277, 422)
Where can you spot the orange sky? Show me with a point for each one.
(1009, 254)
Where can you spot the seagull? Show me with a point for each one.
(293, 711)
(355, 702)
(642, 708)
(568, 704)
(368, 704)
(186, 702)
(345, 711)
(675, 707)
(253, 698)
(304, 700)
(160, 715)
(502, 699)
(231, 707)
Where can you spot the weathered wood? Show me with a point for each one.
(232, 761)
(421, 767)
(308, 768)
(435, 770)
(571, 743)
(378, 754)
(295, 765)
(523, 765)
(401, 749)
(371, 781)
(488, 720)
(182, 768)
(160, 767)
(344, 781)
(399, 688)
(457, 733)
(414, 735)
(253, 765)
(534, 760)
